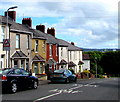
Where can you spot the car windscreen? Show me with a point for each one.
(5, 71)
(58, 71)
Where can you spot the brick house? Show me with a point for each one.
(51, 48)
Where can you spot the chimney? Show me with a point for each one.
(27, 21)
(51, 31)
(41, 28)
(72, 43)
(11, 14)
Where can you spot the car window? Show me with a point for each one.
(5, 71)
(67, 72)
(59, 71)
(17, 71)
(24, 72)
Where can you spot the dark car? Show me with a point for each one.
(63, 76)
(17, 78)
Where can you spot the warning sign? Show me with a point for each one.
(6, 44)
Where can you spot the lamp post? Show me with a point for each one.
(8, 37)
(96, 66)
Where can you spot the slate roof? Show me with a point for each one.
(3, 20)
(50, 39)
(51, 61)
(38, 58)
(16, 27)
(62, 62)
(71, 64)
(70, 46)
(62, 43)
(80, 62)
(19, 54)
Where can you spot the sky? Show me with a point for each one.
(87, 23)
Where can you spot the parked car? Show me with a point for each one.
(17, 78)
(63, 76)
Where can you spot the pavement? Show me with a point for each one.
(43, 82)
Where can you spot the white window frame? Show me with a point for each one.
(36, 45)
(28, 42)
(50, 48)
(17, 41)
(2, 35)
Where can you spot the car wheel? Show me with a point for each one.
(67, 80)
(13, 87)
(35, 85)
(75, 79)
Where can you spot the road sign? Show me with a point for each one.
(6, 44)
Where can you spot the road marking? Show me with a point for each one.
(76, 91)
(71, 90)
(48, 96)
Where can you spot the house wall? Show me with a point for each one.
(54, 55)
(86, 64)
(3, 54)
(64, 55)
(23, 48)
(41, 52)
(75, 57)
(41, 48)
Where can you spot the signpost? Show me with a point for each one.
(6, 45)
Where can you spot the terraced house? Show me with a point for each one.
(37, 50)
(4, 34)
(51, 48)
(20, 43)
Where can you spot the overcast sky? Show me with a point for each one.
(88, 23)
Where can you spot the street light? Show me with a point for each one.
(96, 66)
(8, 37)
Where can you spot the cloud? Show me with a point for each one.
(86, 22)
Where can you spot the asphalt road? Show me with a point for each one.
(90, 90)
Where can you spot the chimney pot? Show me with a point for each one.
(51, 31)
(41, 28)
(72, 43)
(27, 21)
(11, 14)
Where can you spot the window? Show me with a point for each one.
(24, 72)
(0, 64)
(61, 51)
(15, 63)
(36, 68)
(56, 50)
(2, 56)
(2, 35)
(41, 71)
(17, 71)
(50, 50)
(43, 46)
(28, 46)
(17, 41)
(70, 55)
(36, 45)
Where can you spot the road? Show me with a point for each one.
(84, 90)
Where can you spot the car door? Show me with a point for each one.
(19, 77)
(71, 77)
(27, 78)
